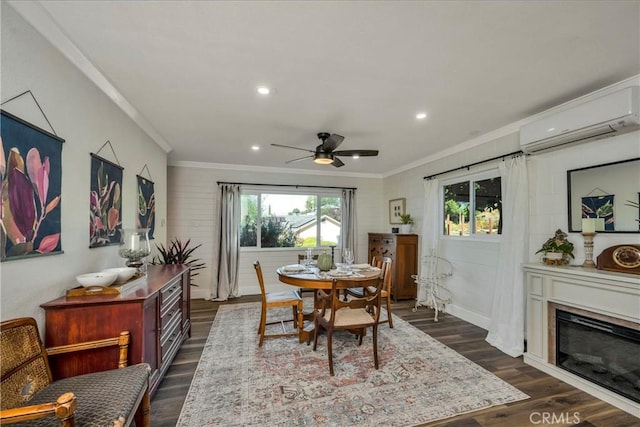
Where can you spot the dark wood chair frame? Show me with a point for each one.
(329, 313)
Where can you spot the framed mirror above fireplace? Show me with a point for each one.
(609, 192)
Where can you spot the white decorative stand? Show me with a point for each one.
(588, 250)
(431, 291)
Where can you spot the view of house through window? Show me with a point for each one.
(483, 197)
(276, 220)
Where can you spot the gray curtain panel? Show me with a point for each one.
(349, 227)
(229, 250)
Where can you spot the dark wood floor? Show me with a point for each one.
(563, 404)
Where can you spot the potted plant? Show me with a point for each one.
(406, 221)
(557, 250)
(178, 252)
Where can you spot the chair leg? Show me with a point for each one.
(389, 311)
(142, 416)
(375, 346)
(263, 325)
(330, 350)
(315, 335)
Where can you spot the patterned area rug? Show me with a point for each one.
(288, 384)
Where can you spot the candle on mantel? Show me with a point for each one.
(588, 225)
(599, 224)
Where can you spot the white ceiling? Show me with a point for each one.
(360, 69)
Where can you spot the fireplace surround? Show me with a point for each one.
(588, 304)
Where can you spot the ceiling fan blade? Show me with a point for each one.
(361, 153)
(301, 158)
(295, 148)
(337, 162)
(332, 142)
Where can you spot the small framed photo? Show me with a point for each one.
(396, 210)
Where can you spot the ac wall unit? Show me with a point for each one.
(608, 115)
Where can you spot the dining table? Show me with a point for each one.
(310, 277)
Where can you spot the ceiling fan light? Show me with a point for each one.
(323, 159)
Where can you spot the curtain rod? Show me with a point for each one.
(288, 185)
(515, 153)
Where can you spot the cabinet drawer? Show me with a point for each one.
(170, 343)
(172, 326)
(168, 313)
(169, 291)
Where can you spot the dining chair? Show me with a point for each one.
(385, 266)
(278, 299)
(355, 315)
(301, 259)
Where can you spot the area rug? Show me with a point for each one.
(285, 383)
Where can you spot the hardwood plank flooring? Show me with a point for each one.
(563, 404)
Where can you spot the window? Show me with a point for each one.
(482, 197)
(281, 220)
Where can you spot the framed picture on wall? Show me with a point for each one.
(396, 210)
(31, 189)
(105, 203)
(146, 217)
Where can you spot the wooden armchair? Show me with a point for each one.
(31, 397)
(354, 315)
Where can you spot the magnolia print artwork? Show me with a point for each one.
(30, 182)
(105, 223)
(146, 217)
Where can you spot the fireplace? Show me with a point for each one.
(602, 352)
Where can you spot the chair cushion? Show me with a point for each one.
(283, 296)
(104, 398)
(350, 316)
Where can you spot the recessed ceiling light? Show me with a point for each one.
(263, 90)
(355, 156)
(255, 147)
(421, 116)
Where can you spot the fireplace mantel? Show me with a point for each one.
(607, 294)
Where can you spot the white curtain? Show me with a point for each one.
(229, 243)
(349, 238)
(431, 226)
(506, 330)
(431, 230)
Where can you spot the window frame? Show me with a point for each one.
(302, 190)
(471, 178)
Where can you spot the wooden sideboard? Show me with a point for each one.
(403, 251)
(156, 313)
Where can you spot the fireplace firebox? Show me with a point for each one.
(601, 352)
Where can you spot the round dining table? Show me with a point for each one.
(312, 278)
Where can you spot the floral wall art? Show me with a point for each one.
(30, 182)
(105, 214)
(599, 207)
(146, 205)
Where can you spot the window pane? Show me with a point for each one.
(249, 220)
(456, 209)
(281, 216)
(488, 205)
(330, 211)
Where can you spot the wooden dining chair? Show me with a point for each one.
(385, 266)
(278, 299)
(355, 315)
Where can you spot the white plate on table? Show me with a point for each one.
(293, 268)
(339, 273)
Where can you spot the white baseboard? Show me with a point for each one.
(469, 316)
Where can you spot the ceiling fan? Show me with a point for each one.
(325, 153)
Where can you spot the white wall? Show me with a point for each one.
(193, 195)
(83, 116)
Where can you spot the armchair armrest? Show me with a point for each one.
(64, 409)
(122, 341)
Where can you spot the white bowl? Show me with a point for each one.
(96, 279)
(124, 273)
